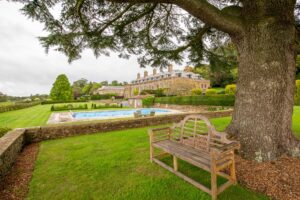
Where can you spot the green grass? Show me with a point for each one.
(114, 166)
(222, 123)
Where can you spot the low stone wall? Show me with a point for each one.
(12, 143)
(37, 134)
(10, 146)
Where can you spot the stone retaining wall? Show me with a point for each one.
(10, 146)
(37, 134)
(12, 143)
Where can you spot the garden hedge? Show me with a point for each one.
(69, 107)
(17, 106)
(100, 106)
(215, 100)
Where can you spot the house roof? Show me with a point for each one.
(111, 88)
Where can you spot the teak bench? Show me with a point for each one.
(196, 141)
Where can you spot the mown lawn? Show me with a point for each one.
(114, 166)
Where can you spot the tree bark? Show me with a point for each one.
(262, 118)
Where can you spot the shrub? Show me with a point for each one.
(210, 92)
(4, 130)
(196, 91)
(230, 89)
(135, 92)
(69, 107)
(17, 106)
(217, 100)
(148, 102)
(297, 93)
(221, 91)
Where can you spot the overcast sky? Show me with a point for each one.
(26, 69)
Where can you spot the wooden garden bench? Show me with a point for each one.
(196, 141)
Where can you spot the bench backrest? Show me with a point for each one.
(195, 131)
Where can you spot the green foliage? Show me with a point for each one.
(297, 93)
(209, 92)
(157, 93)
(230, 89)
(86, 89)
(94, 87)
(216, 100)
(135, 92)
(69, 107)
(148, 101)
(18, 106)
(61, 89)
(4, 130)
(106, 105)
(103, 96)
(196, 91)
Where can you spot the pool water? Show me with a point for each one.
(118, 113)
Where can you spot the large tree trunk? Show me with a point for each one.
(262, 118)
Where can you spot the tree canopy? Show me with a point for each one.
(61, 89)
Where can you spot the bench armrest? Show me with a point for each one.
(234, 145)
(159, 134)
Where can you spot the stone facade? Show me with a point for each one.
(118, 90)
(10, 146)
(174, 82)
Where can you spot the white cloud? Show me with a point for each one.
(26, 69)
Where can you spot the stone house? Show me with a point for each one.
(174, 82)
(118, 90)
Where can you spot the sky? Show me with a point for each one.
(26, 69)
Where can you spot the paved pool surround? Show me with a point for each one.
(63, 117)
(12, 143)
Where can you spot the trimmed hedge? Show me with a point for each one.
(56, 102)
(148, 102)
(100, 106)
(69, 107)
(17, 106)
(216, 100)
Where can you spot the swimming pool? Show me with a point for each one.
(110, 114)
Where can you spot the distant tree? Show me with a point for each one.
(61, 89)
(223, 65)
(115, 83)
(3, 97)
(125, 83)
(86, 89)
(77, 92)
(94, 87)
(104, 83)
(80, 83)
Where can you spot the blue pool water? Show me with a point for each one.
(117, 113)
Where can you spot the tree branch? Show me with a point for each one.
(204, 11)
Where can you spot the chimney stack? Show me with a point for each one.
(145, 74)
(154, 71)
(138, 76)
(170, 68)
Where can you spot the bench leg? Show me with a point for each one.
(151, 152)
(232, 171)
(175, 163)
(214, 184)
